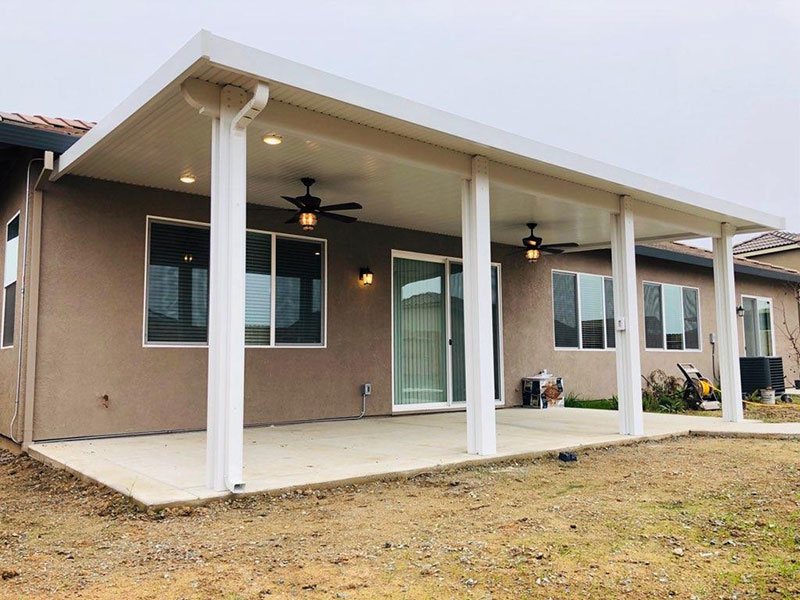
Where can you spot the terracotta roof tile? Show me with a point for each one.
(684, 249)
(767, 241)
(61, 125)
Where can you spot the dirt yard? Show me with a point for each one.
(685, 518)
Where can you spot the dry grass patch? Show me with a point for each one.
(691, 517)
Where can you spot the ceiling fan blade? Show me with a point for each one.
(294, 218)
(517, 251)
(551, 250)
(343, 206)
(335, 217)
(564, 245)
(294, 201)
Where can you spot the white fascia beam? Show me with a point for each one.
(626, 317)
(699, 226)
(232, 109)
(727, 324)
(479, 342)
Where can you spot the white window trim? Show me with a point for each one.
(578, 307)
(274, 234)
(449, 405)
(5, 287)
(664, 348)
(771, 321)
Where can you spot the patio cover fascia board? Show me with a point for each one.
(658, 199)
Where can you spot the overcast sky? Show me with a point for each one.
(701, 93)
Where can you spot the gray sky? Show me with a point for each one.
(701, 93)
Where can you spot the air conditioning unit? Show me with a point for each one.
(761, 372)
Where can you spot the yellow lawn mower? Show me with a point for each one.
(698, 391)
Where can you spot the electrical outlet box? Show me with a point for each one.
(620, 323)
(712, 337)
(366, 389)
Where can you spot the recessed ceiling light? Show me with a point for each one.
(188, 178)
(272, 139)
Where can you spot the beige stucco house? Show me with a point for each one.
(780, 248)
(114, 230)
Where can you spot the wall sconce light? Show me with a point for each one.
(365, 276)
(532, 254)
(740, 311)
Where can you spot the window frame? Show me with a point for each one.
(273, 281)
(16, 215)
(771, 321)
(579, 348)
(664, 348)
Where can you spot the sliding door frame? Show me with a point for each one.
(449, 405)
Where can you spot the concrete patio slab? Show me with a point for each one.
(169, 469)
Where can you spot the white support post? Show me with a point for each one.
(478, 341)
(224, 442)
(727, 325)
(626, 317)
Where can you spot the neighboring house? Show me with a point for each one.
(116, 263)
(781, 248)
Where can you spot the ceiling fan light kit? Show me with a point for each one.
(532, 246)
(309, 208)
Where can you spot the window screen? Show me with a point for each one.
(258, 289)
(691, 324)
(298, 292)
(608, 286)
(673, 316)
(565, 309)
(9, 314)
(177, 284)
(592, 298)
(653, 326)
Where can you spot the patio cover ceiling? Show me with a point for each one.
(401, 160)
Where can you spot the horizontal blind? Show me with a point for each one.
(608, 286)
(565, 310)
(592, 312)
(691, 325)
(177, 284)
(258, 289)
(653, 326)
(298, 291)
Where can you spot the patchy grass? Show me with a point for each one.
(690, 517)
(769, 413)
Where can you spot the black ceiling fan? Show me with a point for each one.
(533, 247)
(310, 207)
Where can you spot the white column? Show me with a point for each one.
(626, 316)
(224, 445)
(478, 340)
(727, 325)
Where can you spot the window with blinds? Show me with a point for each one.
(10, 267)
(671, 317)
(284, 310)
(583, 311)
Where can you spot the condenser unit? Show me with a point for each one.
(762, 372)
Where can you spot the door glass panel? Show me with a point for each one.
(496, 329)
(765, 327)
(457, 335)
(673, 316)
(420, 342)
(750, 327)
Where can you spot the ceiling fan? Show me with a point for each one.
(309, 208)
(533, 247)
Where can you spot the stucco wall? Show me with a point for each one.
(591, 373)
(787, 258)
(12, 200)
(91, 309)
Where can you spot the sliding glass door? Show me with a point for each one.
(428, 322)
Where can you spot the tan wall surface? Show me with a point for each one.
(788, 258)
(91, 309)
(12, 200)
(591, 373)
